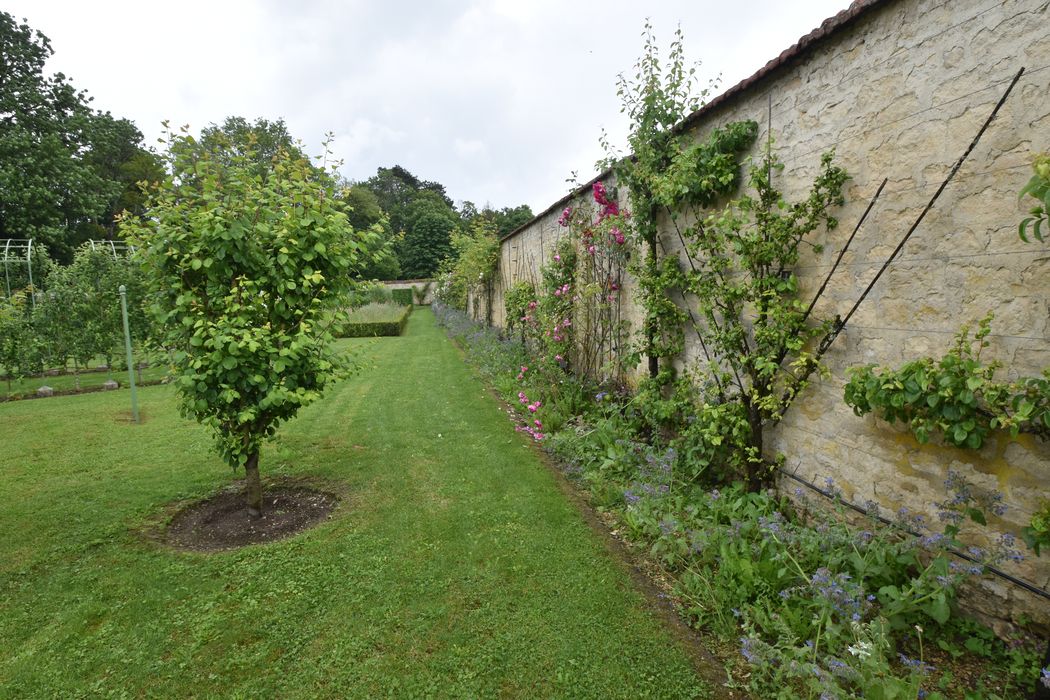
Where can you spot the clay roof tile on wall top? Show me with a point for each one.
(828, 28)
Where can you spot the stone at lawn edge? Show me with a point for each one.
(110, 384)
(45, 391)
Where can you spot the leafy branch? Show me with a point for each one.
(956, 397)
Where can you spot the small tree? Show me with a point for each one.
(473, 266)
(245, 261)
(66, 318)
(20, 348)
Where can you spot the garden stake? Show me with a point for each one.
(844, 249)
(127, 349)
(841, 323)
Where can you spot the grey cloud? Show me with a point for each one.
(498, 100)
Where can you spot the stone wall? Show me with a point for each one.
(899, 92)
(430, 285)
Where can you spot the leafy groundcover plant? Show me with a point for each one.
(821, 605)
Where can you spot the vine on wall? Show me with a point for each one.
(957, 397)
(742, 297)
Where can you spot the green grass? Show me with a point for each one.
(454, 567)
(27, 386)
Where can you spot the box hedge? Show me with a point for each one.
(402, 296)
(351, 328)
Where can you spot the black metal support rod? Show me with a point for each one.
(842, 252)
(962, 555)
(929, 205)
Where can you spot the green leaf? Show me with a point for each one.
(939, 609)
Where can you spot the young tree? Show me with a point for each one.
(245, 261)
(20, 347)
(472, 269)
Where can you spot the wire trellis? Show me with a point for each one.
(17, 251)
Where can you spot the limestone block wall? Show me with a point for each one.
(899, 92)
(414, 284)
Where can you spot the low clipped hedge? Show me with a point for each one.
(373, 328)
(402, 296)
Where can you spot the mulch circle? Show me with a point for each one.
(221, 521)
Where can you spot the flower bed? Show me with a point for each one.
(821, 604)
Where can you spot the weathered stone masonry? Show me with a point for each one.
(899, 88)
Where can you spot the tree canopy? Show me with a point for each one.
(423, 219)
(245, 266)
(65, 168)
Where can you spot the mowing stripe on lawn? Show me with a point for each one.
(453, 567)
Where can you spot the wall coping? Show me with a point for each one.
(827, 29)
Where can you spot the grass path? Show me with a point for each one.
(453, 567)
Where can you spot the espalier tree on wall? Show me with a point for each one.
(740, 290)
(959, 398)
(244, 262)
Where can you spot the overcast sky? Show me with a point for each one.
(499, 100)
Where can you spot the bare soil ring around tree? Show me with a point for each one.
(221, 522)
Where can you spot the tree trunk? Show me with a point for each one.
(755, 476)
(252, 486)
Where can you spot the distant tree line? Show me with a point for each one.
(422, 222)
(68, 171)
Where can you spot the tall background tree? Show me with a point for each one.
(65, 168)
(365, 214)
(260, 141)
(423, 220)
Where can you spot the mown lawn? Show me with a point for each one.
(27, 386)
(453, 566)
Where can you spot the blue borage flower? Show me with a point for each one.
(747, 650)
(916, 664)
(847, 597)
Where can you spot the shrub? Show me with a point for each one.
(372, 320)
(402, 296)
